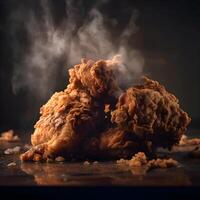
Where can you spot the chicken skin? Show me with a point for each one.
(71, 116)
(65, 121)
(151, 113)
(94, 119)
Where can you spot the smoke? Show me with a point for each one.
(52, 47)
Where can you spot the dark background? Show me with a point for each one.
(169, 39)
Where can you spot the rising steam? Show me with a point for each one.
(53, 47)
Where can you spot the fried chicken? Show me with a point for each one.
(115, 143)
(65, 121)
(71, 116)
(151, 113)
(86, 122)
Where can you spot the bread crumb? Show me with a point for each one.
(162, 163)
(107, 108)
(49, 160)
(12, 150)
(86, 163)
(37, 157)
(186, 141)
(140, 159)
(60, 159)
(27, 146)
(137, 160)
(11, 164)
(9, 136)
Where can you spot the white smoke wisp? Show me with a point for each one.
(37, 66)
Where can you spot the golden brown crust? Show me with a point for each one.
(98, 78)
(152, 113)
(76, 123)
(70, 116)
(140, 159)
(65, 120)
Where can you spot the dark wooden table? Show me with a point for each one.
(100, 174)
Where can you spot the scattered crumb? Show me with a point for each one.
(185, 141)
(95, 162)
(107, 108)
(86, 163)
(16, 149)
(162, 163)
(11, 164)
(137, 160)
(12, 150)
(37, 157)
(60, 159)
(8, 151)
(9, 136)
(27, 146)
(49, 160)
(140, 159)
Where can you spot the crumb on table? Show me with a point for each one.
(11, 164)
(86, 163)
(140, 159)
(60, 159)
(9, 136)
(186, 141)
(14, 150)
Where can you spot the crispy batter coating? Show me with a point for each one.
(69, 117)
(98, 78)
(80, 122)
(118, 143)
(151, 113)
(114, 143)
(65, 121)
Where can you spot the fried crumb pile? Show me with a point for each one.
(93, 118)
(140, 159)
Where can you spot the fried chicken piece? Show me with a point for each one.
(137, 160)
(151, 113)
(65, 121)
(76, 123)
(185, 141)
(70, 116)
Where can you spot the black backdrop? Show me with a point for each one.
(169, 39)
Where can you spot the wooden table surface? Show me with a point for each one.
(100, 174)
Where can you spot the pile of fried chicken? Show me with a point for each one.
(93, 118)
